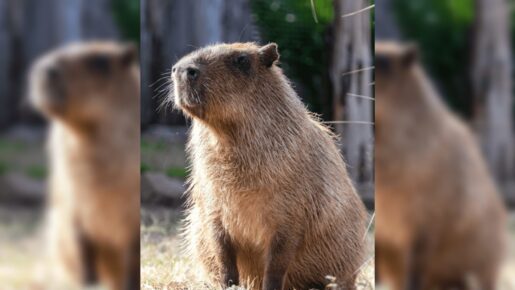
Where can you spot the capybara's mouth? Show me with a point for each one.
(54, 94)
(189, 101)
(187, 97)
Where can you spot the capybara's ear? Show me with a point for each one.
(268, 54)
(129, 54)
(410, 55)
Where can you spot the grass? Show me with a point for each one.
(20, 246)
(167, 157)
(164, 266)
(22, 157)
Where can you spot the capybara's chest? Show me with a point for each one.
(248, 217)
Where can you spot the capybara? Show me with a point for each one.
(89, 92)
(271, 205)
(440, 218)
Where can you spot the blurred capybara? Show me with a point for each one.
(271, 204)
(440, 219)
(90, 94)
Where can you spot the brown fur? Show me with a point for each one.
(90, 94)
(439, 216)
(271, 203)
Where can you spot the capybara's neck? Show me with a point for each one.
(95, 149)
(274, 113)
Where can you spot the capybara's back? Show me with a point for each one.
(440, 219)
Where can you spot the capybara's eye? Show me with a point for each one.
(382, 63)
(242, 62)
(98, 63)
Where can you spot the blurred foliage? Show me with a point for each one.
(153, 145)
(443, 30)
(4, 167)
(179, 172)
(302, 44)
(144, 167)
(9, 146)
(38, 172)
(127, 16)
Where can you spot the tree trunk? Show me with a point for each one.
(52, 23)
(351, 77)
(386, 26)
(29, 28)
(492, 86)
(5, 56)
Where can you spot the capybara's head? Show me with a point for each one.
(82, 82)
(221, 82)
(394, 63)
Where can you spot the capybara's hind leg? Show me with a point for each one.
(111, 268)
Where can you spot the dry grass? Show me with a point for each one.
(163, 266)
(19, 247)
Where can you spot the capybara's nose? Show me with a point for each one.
(52, 73)
(192, 73)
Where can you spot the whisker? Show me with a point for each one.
(161, 86)
(363, 265)
(167, 73)
(158, 80)
(192, 46)
(314, 11)
(369, 225)
(359, 11)
(361, 96)
(243, 31)
(358, 70)
(349, 122)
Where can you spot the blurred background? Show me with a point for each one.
(28, 29)
(467, 48)
(326, 51)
